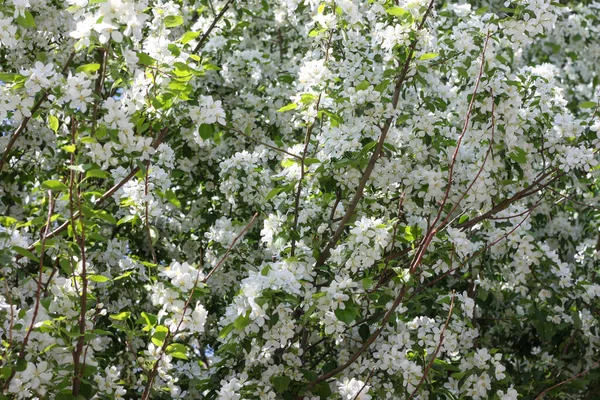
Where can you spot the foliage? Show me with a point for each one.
(290, 199)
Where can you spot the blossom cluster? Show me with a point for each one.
(349, 199)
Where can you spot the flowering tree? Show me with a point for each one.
(343, 199)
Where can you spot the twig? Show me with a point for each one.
(376, 153)
(541, 395)
(303, 158)
(437, 349)
(23, 124)
(364, 384)
(529, 190)
(152, 374)
(260, 142)
(106, 195)
(230, 247)
(98, 88)
(148, 233)
(211, 27)
(38, 291)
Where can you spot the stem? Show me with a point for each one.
(23, 124)
(211, 27)
(324, 256)
(106, 195)
(437, 349)
(222, 260)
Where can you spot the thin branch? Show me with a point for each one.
(147, 213)
(152, 374)
(324, 256)
(38, 291)
(211, 27)
(529, 190)
(303, 158)
(364, 384)
(260, 142)
(573, 200)
(541, 395)
(230, 247)
(98, 88)
(23, 124)
(106, 195)
(437, 349)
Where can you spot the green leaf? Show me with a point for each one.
(53, 122)
(145, 59)
(364, 331)
(99, 278)
(96, 173)
(88, 68)
(173, 21)
(122, 316)
(69, 148)
(172, 197)
(363, 85)
(281, 383)
(27, 21)
(7, 221)
(174, 49)
(396, 11)
(25, 253)
(10, 78)
(21, 365)
(125, 219)
(149, 319)
(189, 36)
(273, 193)
(54, 185)
(242, 321)
(226, 331)
(153, 234)
(206, 131)
(177, 348)
(5, 372)
(519, 155)
(291, 106)
(288, 162)
(409, 234)
(428, 56)
(123, 276)
(587, 104)
(159, 335)
(346, 315)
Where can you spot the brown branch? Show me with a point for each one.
(376, 153)
(437, 349)
(222, 260)
(529, 190)
(573, 200)
(98, 89)
(303, 158)
(260, 142)
(541, 395)
(107, 194)
(477, 254)
(146, 213)
(364, 384)
(154, 371)
(23, 124)
(38, 291)
(459, 141)
(78, 363)
(211, 27)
